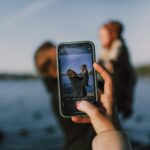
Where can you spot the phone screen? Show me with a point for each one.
(76, 76)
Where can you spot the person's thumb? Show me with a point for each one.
(98, 120)
(88, 108)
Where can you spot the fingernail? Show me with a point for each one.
(94, 64)
(77, 104)
(82, 104)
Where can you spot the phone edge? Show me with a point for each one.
(58, 73)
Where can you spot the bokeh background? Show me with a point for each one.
(26, 116)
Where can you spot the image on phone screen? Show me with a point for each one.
(77, 78)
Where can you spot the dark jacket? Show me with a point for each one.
(78, 86)
(124, 77)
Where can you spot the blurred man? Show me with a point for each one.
(77, 136)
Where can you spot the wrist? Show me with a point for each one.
(106, 125)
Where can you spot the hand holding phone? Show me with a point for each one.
(101, 121)
(76, 76)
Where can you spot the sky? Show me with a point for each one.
(75, 62)
(25, 24)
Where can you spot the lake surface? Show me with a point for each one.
(27, 121)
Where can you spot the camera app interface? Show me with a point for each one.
(76, 75)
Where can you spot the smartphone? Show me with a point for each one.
(76, 76)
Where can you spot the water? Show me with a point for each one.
(138, 126)
(27, 120)
(25, 105)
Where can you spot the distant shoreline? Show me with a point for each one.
(141, 71)
(9, 76)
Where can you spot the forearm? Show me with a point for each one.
(111, 140)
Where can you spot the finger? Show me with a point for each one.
(78, 119)
(106, 77)
(99, 92)
(86, 107)
(102, 72)
(97, 119)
